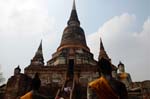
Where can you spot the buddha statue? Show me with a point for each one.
(123, 76)
(17, 70)
(106, 87)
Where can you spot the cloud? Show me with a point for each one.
(123, 42)
(23, 23)
(144, 34)
(112, 30)
(24, 18)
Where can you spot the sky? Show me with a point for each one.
(123, 25)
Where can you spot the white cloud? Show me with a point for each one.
(111, 31)
(145, 32)
(24, 17)
(117, 24)
(22, 24)
(121, 43)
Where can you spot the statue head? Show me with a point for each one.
(17, 70)
(121, 67)
(105, 66)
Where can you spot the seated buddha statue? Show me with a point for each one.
(106, 87)
(123, 76)
(34, 93)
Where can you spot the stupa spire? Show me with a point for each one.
(38, 58)
(74, 5)
(102, 53)
(73, 20)
(101, 45)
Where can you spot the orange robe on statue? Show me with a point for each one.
(103, 89)
(27, 96)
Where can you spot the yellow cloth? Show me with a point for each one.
(123, 76)
(103, 89)
(27, 96)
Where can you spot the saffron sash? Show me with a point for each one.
(103, 89)
(27, 96)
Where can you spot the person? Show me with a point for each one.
(106, 87)
(34, 93)
(123, 76)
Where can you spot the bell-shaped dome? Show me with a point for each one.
(73, 34)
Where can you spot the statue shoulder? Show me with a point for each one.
(94, 83)
(116, 83)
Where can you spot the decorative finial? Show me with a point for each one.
(18, 67)
(41, 41)
(120, 64)
(101, 44)
(40, 47)
(100, 39)
(17, 70)
(74, 17)
(74, 5)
